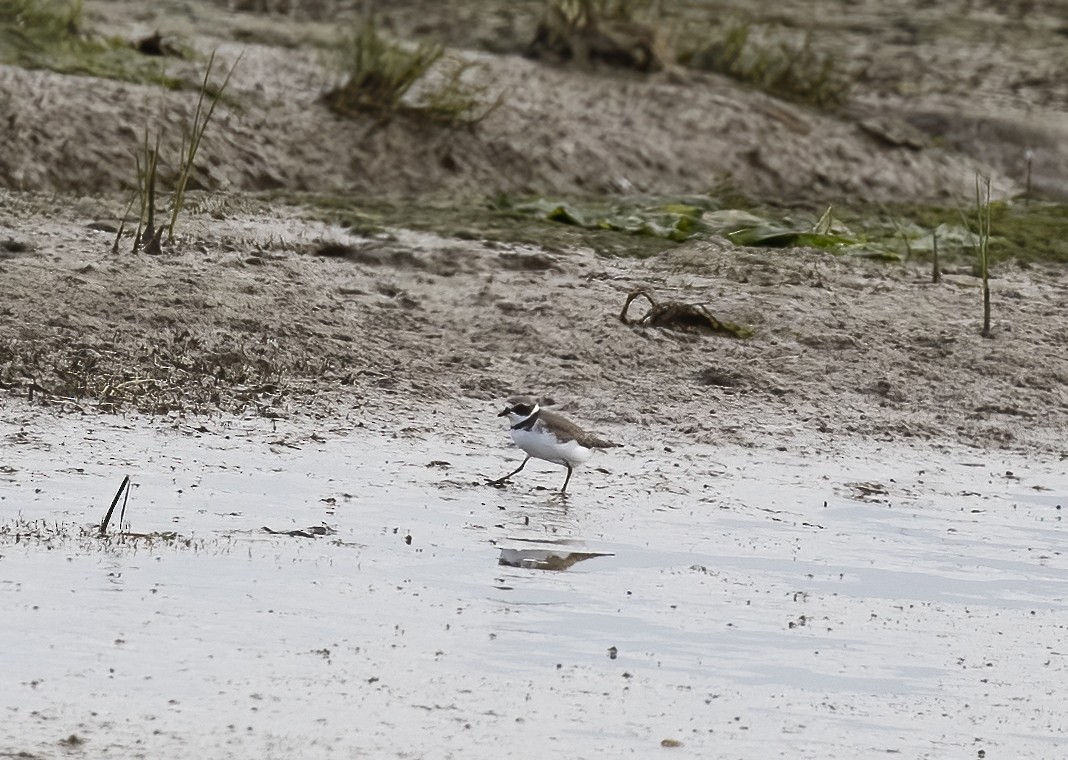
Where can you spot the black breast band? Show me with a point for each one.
(528, 423)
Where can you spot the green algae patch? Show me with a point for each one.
(640, 227)
(672, 221)
(635, 227)
(1027, 232)
(552, 224)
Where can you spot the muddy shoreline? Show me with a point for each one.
(245, 312)
(838, 536)
(249, 318)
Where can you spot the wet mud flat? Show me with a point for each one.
(839, 537)
(906, 598)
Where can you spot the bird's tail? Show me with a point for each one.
(600, 443)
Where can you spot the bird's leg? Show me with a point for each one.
(567, 479)
(498, 481)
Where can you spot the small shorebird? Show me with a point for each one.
(548, 436)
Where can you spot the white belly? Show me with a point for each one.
(545, 446)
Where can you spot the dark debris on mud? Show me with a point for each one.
(680, 317)
(52, 533)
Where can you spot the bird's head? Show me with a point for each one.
(519, 409)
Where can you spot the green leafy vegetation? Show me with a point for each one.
(697, 216)
(49, 34)
(500, 219)
(744, 228)
(676, 222)
(647, 226)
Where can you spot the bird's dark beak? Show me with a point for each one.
(504, 413)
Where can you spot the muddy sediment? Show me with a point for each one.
(247, 319)
(832, 526)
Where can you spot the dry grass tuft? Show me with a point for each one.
(621, 33)
(377, 74)
(788, 68)
(149, 236)
(173, 372)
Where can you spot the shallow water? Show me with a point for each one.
(758, 603)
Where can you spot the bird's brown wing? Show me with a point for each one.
(566, 430)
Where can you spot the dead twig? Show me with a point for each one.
(936, 271)
(682, 317)
(122, 224)
(123, 487)
(154, 248)
(147, 184)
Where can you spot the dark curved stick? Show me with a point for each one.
(107, 518)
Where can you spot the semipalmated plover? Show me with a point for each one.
(548, 436)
